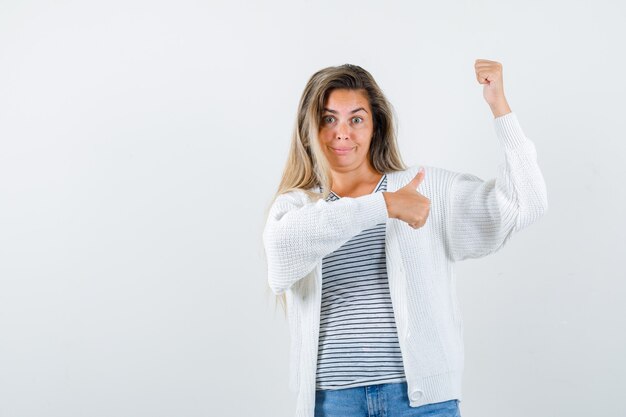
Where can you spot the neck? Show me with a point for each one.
(348, 179)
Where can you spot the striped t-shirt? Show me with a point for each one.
(358, 343)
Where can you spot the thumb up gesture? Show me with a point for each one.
(407, 204)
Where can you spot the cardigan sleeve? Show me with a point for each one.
(482, 215)
(298, 233)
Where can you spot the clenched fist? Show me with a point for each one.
(407, 204)
(489, 73)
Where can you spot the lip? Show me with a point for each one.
(341, 151)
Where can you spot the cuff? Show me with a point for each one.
(509, 130)
(373, 209)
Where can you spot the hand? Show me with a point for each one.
(490, 74)
(407, 204)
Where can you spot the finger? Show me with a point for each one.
(491, 71)
(417, 180)
(484, 76)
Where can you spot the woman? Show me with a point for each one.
(361, 249)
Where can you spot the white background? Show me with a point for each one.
(141, 143)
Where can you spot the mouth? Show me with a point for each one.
(342, 151)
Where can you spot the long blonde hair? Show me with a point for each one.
(307, 166)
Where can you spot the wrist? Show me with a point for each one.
(500, 108)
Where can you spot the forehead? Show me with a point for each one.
(346, 99)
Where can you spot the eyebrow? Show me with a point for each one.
(353, 111)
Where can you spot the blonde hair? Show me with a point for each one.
(307, 166)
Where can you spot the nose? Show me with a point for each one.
(343, 131)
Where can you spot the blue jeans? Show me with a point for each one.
(381, 400)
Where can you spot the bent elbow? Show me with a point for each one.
(545, 203)
(277, 289)
(532, 212)
(541, 199)
(541, 206)
(278, 283)
(284, 275)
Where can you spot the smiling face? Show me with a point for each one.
(346, 129)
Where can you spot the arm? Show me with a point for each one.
(482, 215)
(299, 233)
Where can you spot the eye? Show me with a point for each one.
(357, 119)
(328, 119)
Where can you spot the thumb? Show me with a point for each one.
(417, 180)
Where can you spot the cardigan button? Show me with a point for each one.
(416, 395)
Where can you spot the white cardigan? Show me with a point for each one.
(469, 218)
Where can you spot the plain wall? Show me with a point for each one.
(141, 143)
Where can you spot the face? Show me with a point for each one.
(346, 129)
